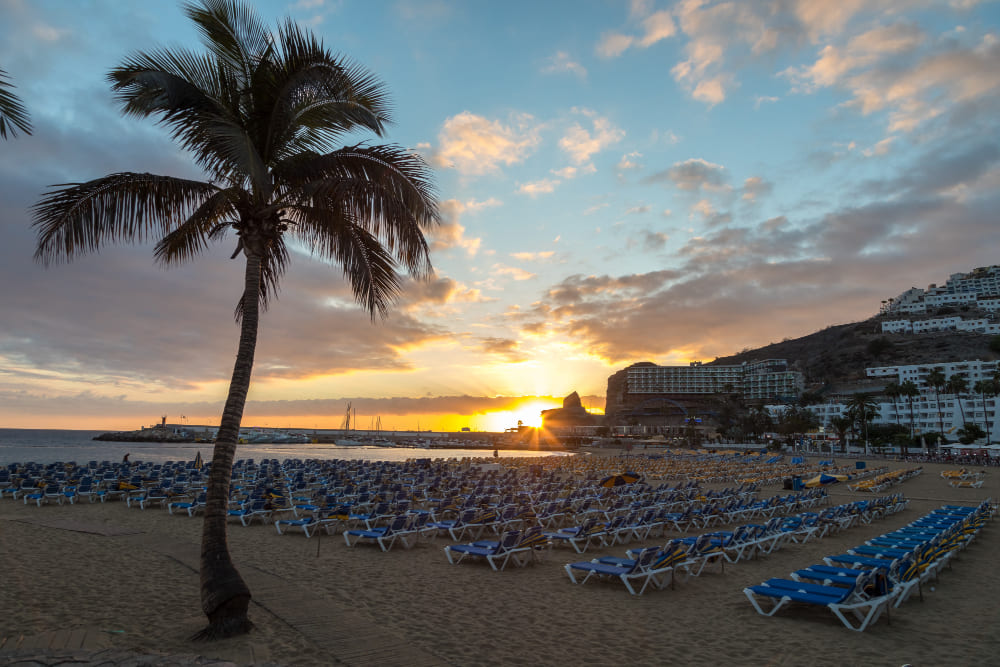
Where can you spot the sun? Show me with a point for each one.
(528, 413)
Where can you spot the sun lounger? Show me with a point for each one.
(857, 605)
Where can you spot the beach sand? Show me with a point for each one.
(107, 576)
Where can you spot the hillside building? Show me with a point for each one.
(980, 287)
(977, 325)
(955, 410)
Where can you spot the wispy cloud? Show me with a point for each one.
(581, 144)
(536, 188)
(561, 62)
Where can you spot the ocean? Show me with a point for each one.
(56, 445)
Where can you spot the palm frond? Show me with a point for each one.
(232, 32)
(366, 262)
(317, 96)
(13, 115)
(383, 189)
(124, 207)
(200, 102)
(194, 235)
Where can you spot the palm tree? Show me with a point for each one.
(892, 390)
(862, 408)
(985, 388)
(909, 389)
(841, 425)
(260, 112)
(937, 381)
(957, 385)
(12, 111)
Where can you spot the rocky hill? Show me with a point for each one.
(838, 355)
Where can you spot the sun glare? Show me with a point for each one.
(529, 414)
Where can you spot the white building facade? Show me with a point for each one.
(954, 410)
(980, 286)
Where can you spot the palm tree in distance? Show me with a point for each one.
(261, 112)
(13, 115)
(957, 386)
(909, 390)
(985, 388)
(937, 381)
(892, 390)
(841, 425)
(862, 408)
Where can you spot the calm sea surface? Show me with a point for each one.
(49, 446)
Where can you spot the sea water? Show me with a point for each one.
(57, 445)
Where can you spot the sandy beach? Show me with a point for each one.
(124, 580)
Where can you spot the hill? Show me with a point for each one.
(837, 356)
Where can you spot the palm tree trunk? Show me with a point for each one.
(225, 597)
(986, 419)
(937, 398)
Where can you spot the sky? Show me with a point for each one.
(619, 182)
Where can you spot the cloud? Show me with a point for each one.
(739, 286)
(763, 99)
(755, 187)
(881, 148)
(630, 161)
(533, 256)
(710, 217)
(474, 206)
(898, 70)
(562, 62)
(122, 412)
(835, 63)
(535, 188)
(653, 28)
(508, 348)
(824, 18)
(475, 145)
(590, 210)
(565, 172)
(48, 33)
(657, 26)
(692, 175)
(638, 210)
(450, 233)
(439, 291)
(613, 44)
(649, 241)
(581, 143)
(514, 272)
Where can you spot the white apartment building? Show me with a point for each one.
(759, 380)
(897, 326)
(978, 325)
(925, 406)
(934, 298)
(978, 286)
(991, 305)
(972, 371)
(984, 280)
(925, 413)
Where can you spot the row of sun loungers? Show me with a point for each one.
(964, 479)
(860, 585)
(690, 556)
(883, 481)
